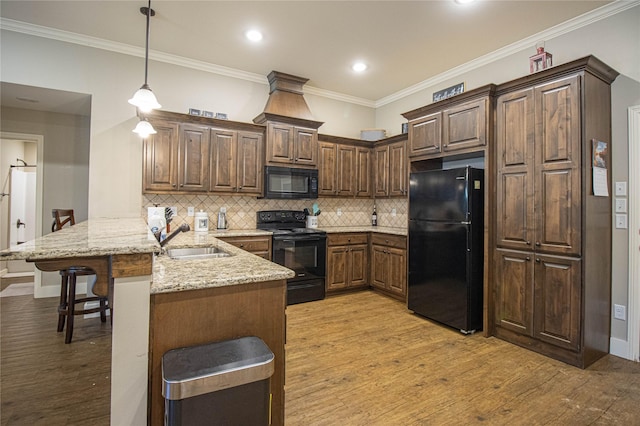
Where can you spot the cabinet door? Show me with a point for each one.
(359, 264)
(337, 272)
(558, 301)
(515, 166)
(327, 168)
(558, 199)
(381, 170)
(363, 172)
(223, 160)
(250, 163)
(397, 280)
(379, 266)
(193, 158)
(465, 126)
(397, 170)
(425, 135)
(514, 291)
(280, 148)
(346, 170)
(160, 158)
(306, 146)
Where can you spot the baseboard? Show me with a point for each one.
(619, 348)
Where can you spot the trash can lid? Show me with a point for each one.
(197, 370)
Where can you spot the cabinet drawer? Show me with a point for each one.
(347, 238)
(397, 241)
(250, 244)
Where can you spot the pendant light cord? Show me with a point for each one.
(146, 51)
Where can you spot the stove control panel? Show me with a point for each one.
(280, 216)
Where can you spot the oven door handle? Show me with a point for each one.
(291, 240)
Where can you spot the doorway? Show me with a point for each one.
(20, 199)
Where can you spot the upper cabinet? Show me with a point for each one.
(200, 155)
(344, 167)
(290, 144)
(390, 168)
(457, 125)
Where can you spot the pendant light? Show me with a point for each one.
(144, 98)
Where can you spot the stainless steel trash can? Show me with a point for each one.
(222, 383)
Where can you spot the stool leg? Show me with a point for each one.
(71, 307)
(103, 310)
(63, 306)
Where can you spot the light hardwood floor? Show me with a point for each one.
(356, 359)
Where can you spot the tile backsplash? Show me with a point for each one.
(241, 210)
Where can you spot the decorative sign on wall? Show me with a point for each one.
(448, 92)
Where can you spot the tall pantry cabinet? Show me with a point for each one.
(552, 253)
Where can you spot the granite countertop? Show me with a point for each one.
(242, 267)
(378, 229)
(94, 237)
(239, 233)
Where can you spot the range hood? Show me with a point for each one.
(286, 101)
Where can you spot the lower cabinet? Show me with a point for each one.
(347, 261)
(258, 245)
(389, 264)
(538, 302)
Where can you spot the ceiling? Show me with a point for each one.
(403, 42)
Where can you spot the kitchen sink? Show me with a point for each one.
(191, 253)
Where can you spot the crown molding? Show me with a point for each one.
(526, 43)
(126, 49)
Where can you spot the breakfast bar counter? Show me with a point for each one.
(160, 303)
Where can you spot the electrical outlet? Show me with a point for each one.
(619, 312)
(191, 211)
(393, 212)
(621, 221)
(339, 212)
(621, 205)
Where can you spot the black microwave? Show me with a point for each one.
(290, 183)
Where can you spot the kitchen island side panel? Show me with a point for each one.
(189, 318)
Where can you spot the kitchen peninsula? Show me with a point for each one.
(161, 303)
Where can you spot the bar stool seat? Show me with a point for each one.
(67, 307)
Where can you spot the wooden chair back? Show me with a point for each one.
(61, 217)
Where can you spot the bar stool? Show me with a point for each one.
(68, 301)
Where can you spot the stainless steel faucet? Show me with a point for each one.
(183, 228)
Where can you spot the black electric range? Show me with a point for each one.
(298, 248)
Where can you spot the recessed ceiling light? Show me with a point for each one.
(359, 66)
(254, 35)
(463, 1)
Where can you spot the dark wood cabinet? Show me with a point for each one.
(458, 125)
(258, 245)
(552, 258)
(201, 155)
(293, 145)
(160, 158)
(347, 261)
(236, 165)
(390, 165)
(389, 264)
(344, 170)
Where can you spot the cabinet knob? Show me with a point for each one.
(241, 245)
(528, 242)
(181, 185)
(527, 258)
(537, 243)
(537, 260)
(174, 185)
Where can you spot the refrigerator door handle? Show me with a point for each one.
(466, 223)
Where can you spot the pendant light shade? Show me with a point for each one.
(144, 99)
(144, 129)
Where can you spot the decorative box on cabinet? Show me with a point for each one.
(389, 264)
(347, 261)
(553, 236)
(458, 125)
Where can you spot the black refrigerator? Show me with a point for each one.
(446, 246)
